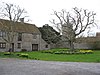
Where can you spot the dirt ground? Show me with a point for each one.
(37, 67)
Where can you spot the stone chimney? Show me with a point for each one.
(98, 34)
(22, 20)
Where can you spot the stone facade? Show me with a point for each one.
(30, 39)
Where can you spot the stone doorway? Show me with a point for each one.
(34, 47)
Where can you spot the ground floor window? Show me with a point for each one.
(46, 46)
(2, 45)
(19, 45)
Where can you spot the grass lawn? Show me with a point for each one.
(94, 57)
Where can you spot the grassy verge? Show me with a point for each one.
(38, 55)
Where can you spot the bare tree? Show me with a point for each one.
(73, 24)
(13, 13)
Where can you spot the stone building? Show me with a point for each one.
(27, 37)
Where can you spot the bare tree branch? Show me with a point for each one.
(73, 25)
(13, 13)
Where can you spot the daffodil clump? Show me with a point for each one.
(23, 55)
(69, 52)
(86, 51)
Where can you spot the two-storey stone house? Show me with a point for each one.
(27, 37)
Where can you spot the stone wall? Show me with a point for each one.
(95, 45)
(26, 43)
(83, 46)
(87, 45)
(44, 45)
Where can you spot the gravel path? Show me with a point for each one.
(35, 67)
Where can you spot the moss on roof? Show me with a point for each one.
(19, 26)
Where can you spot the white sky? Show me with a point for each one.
(40, 10)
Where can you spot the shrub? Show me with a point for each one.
(7, 53)
(23, 55)
(18, 54)
(57, 52)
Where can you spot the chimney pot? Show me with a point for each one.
(21, 19)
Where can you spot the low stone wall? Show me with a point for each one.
(87, 45)
(83, 46)
(95, 45)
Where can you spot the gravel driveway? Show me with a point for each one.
(36, 67)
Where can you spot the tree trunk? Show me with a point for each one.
(10, 47)
(71, 45)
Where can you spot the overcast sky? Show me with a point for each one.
(40, 10)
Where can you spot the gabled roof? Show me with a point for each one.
(20, 27)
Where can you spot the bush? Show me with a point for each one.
(18, 54)
(23, 55)
(7, 53)
(57, 52)
(23, 50)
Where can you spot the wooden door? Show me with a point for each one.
(12, 47)
(34, 47)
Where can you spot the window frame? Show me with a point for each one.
(46, 46)
(19, 36)
(2, 34)
(2, 45)
(34, 36)
(19, 45)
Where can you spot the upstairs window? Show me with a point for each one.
(19, 36)
(34, 36)
(2, 34)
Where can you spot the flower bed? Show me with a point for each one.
(86, 51)
(69, 52)
(22, 55)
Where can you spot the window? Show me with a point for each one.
(46, 46)
(2, 45)
(19, 36)
(34, 36)
(2, 34)
(19, 45)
